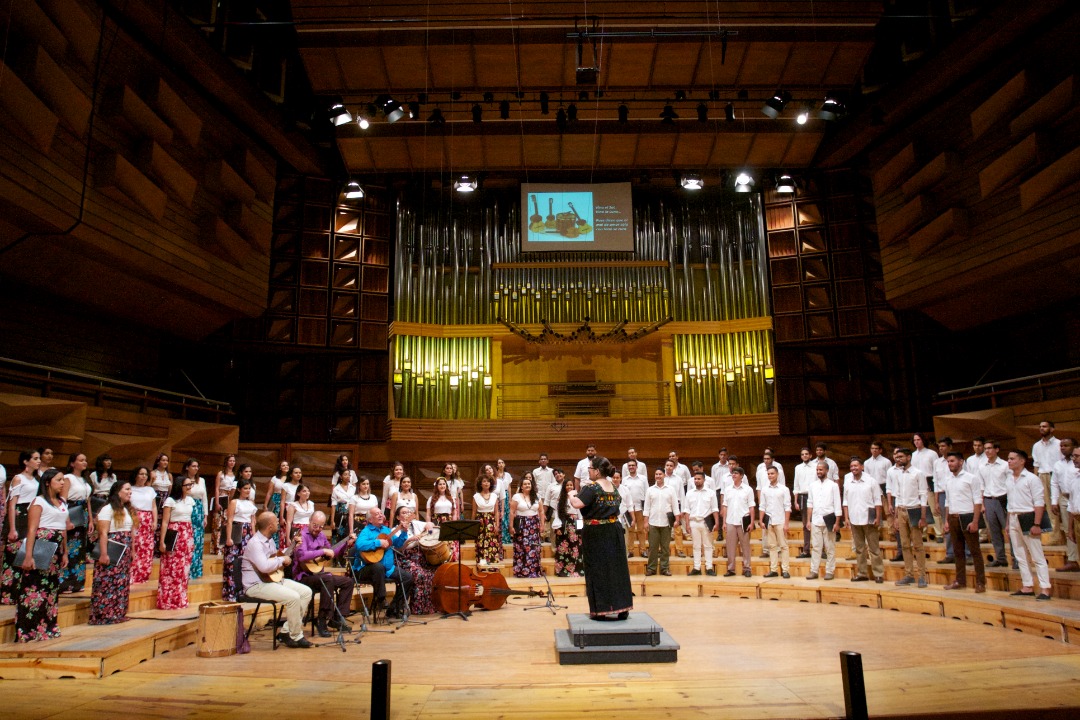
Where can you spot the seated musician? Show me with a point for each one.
(376, 537)
(313, 546)
(260, 560)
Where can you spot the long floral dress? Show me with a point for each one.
(142, 550)
(507, 534)
(198, 534)
(109, 603)
(173, 573)
(35, 615)
(527, 547)
(489, 547)
(422, 602)
(567, 549)
(9, 574)
(73, 577)
(233, 555)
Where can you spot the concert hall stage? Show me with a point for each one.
(750, 648)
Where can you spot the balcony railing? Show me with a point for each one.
(1015, 391)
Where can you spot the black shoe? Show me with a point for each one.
(320, 628)
(302, 643)
(287, 641)
(898, 558)
(729, 573)
(694, 572)
(710, 572)
(786, 576)
(947, 561)
(747, 573)
(649, 572)
(342, 626)
(772, 574)
(665, 572)
(1042, 596)
(802, 556)
(393, 613)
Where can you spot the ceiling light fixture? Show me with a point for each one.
(390, 108)
(803, 116)
(668, 115)
(414, 110)
(436, 117)
(362, 121)
(832, 108)
(729, 112)
(785, 184)
(353, 191)
(467, 184)
(702, 112)
(339, 115)
(691, 181)
(775, 105)
(743, 182)
(477, 113)
(504, 109)
(624, 113)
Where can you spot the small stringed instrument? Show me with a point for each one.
(376, 555)
(482, 589)
(279, 574)
(536, 220)
(583, 227)
(321, 563)
(549, 222)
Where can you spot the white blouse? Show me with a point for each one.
(302, 513)
(277, 483)
(244, 511)
(160, 480)
(228, 483)
(78, 489)
(343, 493)
(482, 505)
(106, 513)
(288, 493)
(181, 509)
(505, 481)
(24, 487)
(442, 506)
(198, 491)
(103, 486)
(350, 478)
(402, 500)
(143, 498)
(52, 517)
(362, 503)
(524, 508)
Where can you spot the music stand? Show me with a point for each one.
(456, 531)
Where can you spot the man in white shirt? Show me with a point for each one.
(674, 479)
(680, 471)
(775, 515)
(978, 455)
(581, 472)
(761, 480)
(260, 559)
(862, 513)
(941, 478)
(908, 489)
(923, 459)
(1061, 490)
(821, 454)
(1073, 520)
(877, 467)
(963, 506)
(1026, 504)
(992, 474)
(720, 470)
(738, 517)
(804, 475)
(551, 502)
(825, 507)
(1045, 454)
(543, 477)
(701, 504)
(636, 484)
(631, 456)
(660, 500)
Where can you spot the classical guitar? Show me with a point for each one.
(376, 555)
(549, 222)
(320, 563)
(279, 574)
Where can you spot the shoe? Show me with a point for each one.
(1069, 567)
(629, 556)
(681, 554)
(764, 555)
(879, 580)
(860, 578)
(320, 628)
(695, 571)
(710, 572)
(906, 580)
(729, 573)
(287, 641)
(852, 557)
(1021, 593)
(980, 589)
(786, 576)
(1042, 596)
(940, 540)
(955, 586)
(1015, 565)
(812, 576)
(802, 556)
(771, 574)
(922, 582)
(897, 558)
(998, 563)
(747, 573)
(645, 554)
(947, 561)
(666, 572)
(650, 572)
(829, 576)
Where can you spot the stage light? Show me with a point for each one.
(339, 115)
(775, 105)
(362, 122)
(678, 379)
(624, 113)
(803, 116)
(702, 112)
(743, 182)
(436, 117)
(543, 103)
(785, 184)
(668, 115)
(831, 109)
(504, 110)
(353, 191)
(467, 184)
(477, 113)
(560, 119)
(680, 95)
(390, 108)
(691, 181)
(414, 110)
(770, 374)
(729, 112)
(571, 112)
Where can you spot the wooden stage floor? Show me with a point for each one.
(740, 658)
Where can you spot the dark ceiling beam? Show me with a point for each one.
(402, 129)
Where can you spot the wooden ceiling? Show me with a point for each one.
(450, 54)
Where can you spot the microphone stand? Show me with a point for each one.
(340, 641)
(398, 556)
(549, 602)
(365, 616)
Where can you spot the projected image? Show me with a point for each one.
(567, 217)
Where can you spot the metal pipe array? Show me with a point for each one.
(726, 374)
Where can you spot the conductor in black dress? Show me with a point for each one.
(603, 546)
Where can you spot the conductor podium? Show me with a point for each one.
(638, 639)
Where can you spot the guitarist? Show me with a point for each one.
(374, 562)
(261, 560)
(315, 549)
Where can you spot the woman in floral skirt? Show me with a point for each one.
(487, 508)
(528, 525)
(175, 563)
(567, 548)
(199, 494)
(442, 507)
(115, 522)
(505, 480)
(224, 487)
(77, 491)
(144, 502)
(413, 560)
(21, 491)
(36, 609)
(239, 521)
(161, 480)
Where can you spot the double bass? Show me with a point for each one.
(457, 588)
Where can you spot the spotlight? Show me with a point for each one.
(743, 182)
(362, 121)
(668, 115)
(489, 97)
(390, 108)
(702, 112)
(729, 112)
(560, 119)
(624, 113)
(414, 110)
(353, 191)
(543, 103)
(785, 184)
(803, 116)
(436, 117)
(691, 181)
(680, 95)
(571, 112)
(455, 95)
(832, 108)
(339, 115)
(583, 95)
(477, 113)
(504, 109)
(775, 105)
(466, 184)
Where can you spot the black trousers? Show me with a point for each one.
(375, 575)
(338, 590)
